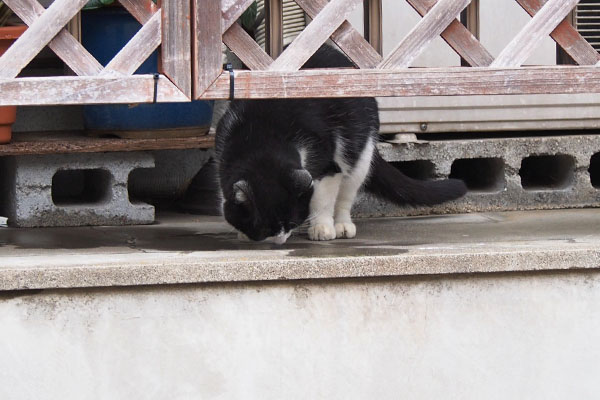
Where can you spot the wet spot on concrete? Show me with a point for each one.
(298, 246)
(183, 240)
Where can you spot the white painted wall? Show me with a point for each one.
(398, 20)
(501, 21)
(494, 337)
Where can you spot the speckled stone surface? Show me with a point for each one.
(191, 249)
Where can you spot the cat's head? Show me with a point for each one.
(268, 206)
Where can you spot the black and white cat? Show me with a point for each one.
(284, 162)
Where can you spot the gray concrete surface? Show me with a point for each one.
(191, 249)
(525, 173)
(496, 336)
(72, 189)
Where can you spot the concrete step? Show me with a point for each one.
(195, 249)
(491, 305)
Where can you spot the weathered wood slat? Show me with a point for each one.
(37, 36)
(176, 54)
(349, 40)
(409, 82)
(458, 37)
(64, 44)
(315, 34)
(207, 44)
(87, 90)
(138, 49)
(355, 46)
(232, 10)
(431, 26)
(540, 26)
(246, 48)
(566, 36)
(74, 142)
(141, 10)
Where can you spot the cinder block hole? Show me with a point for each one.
(419, 169)
(81, 186)
(552, 172)
(141, 188)
(480, 174)
(595, 170)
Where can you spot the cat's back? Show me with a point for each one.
(256, 124)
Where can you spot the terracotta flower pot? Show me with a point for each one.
(8, 114)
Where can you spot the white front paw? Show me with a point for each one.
(345, 230)
(321, 232)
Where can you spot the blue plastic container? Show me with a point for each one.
(104, 32)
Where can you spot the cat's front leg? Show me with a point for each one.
(344, 227)
(322, 206)
(349, 187)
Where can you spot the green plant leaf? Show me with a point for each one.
(5, 13)
(249, 16)
(92, 4)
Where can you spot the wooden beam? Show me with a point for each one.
(409, 82)
(540, 26)
(315, 34)
(458, 37)
(249, 52)
(232, 10)
(566, 36)
(348, 39)
(87, 90)
(75, 142)
(141, 10)
(207, 43)
(37, 36)
(431, 25)
(64, 44)
(138, 49)
(176, 50)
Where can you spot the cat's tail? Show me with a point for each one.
(388, 182)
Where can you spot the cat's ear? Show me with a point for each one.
(302, 180)
(240, 191)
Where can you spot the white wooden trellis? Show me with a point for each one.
(169, 25)
(191, 34)
(269, 78)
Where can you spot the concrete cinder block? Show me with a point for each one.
(523, 173)
(73, 189)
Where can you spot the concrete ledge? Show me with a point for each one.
(187, 249)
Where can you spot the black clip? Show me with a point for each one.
(229, 67)
(156, 76)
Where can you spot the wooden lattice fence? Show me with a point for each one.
(192, 33)
(168, 25)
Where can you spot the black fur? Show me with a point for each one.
(257, 151)
(388, 182)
